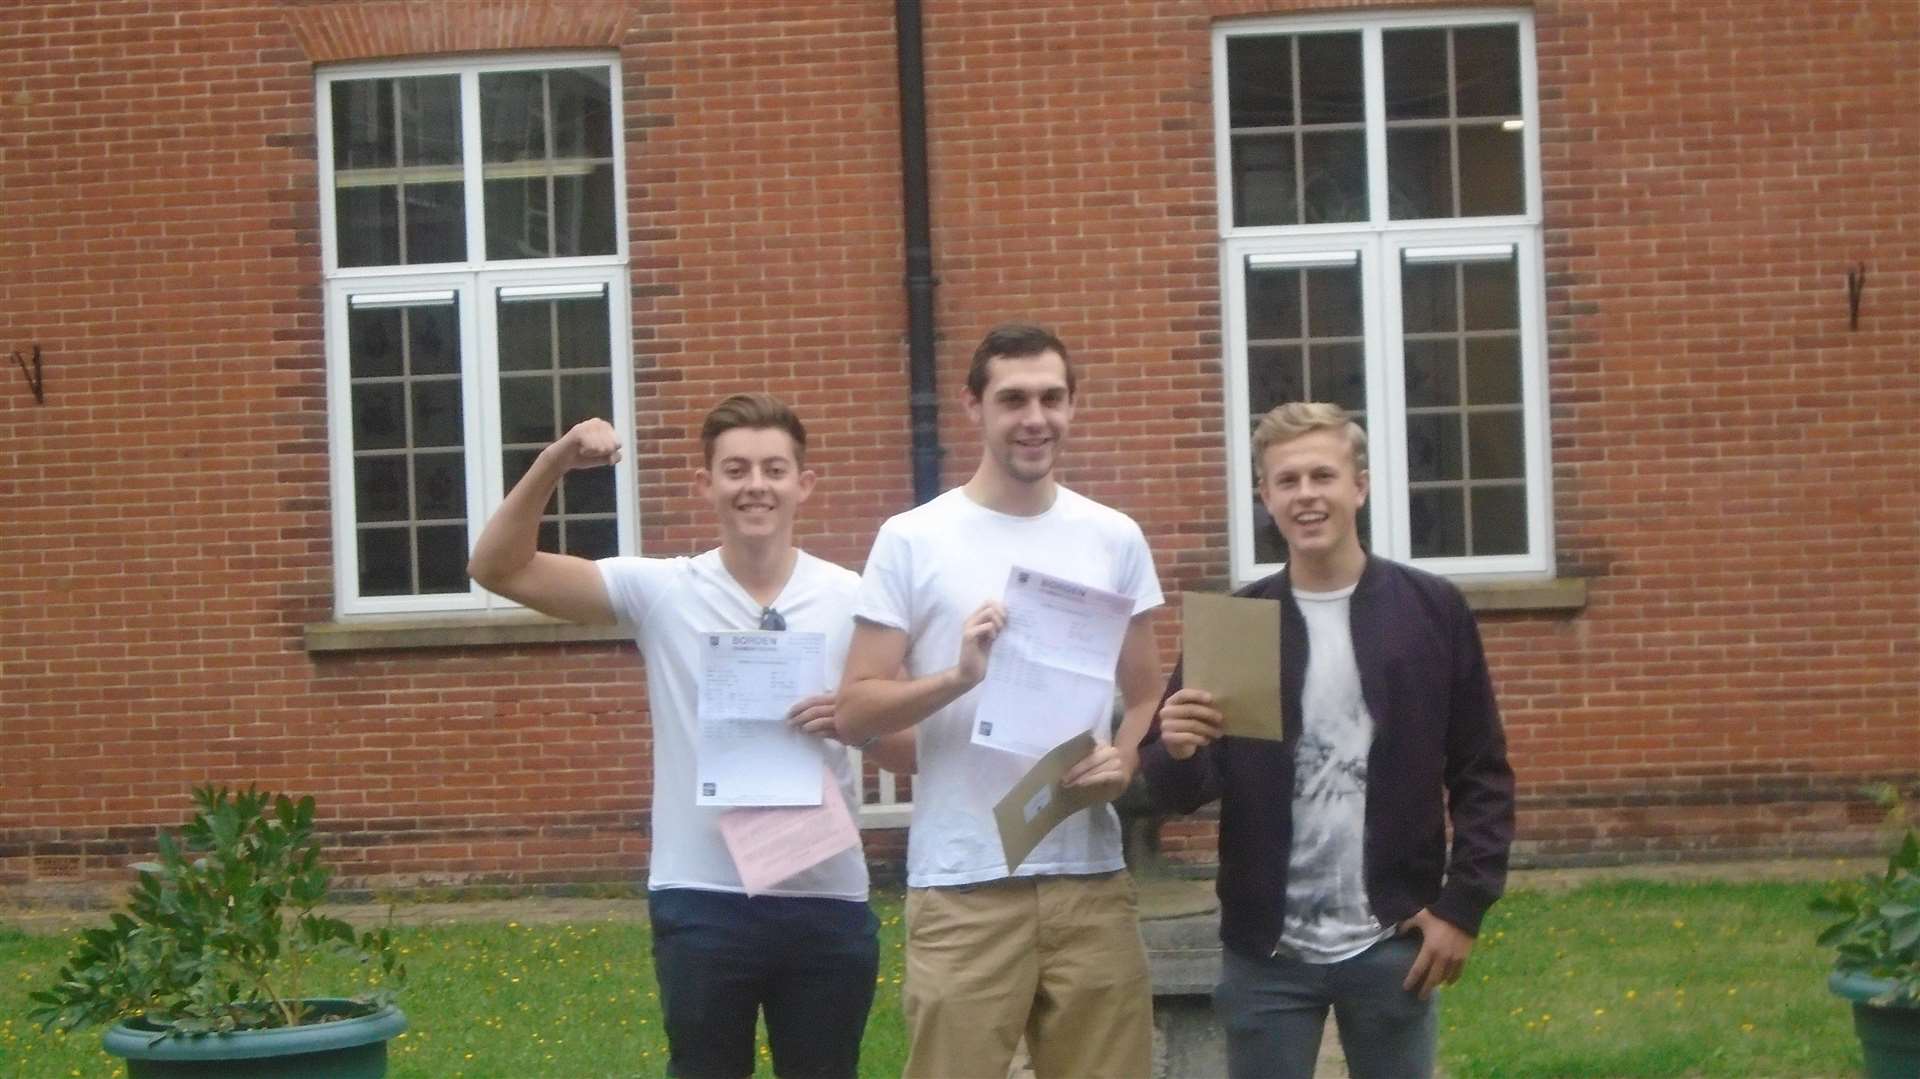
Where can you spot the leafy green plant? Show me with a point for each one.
(218, 935)
(1878, 934)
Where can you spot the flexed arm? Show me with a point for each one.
(506, 559)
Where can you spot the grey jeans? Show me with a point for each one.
(1274, 1011)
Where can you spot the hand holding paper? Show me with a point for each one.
(1232, 651)
(1188, 721)
(1039, 802)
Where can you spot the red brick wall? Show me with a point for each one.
(1736, 474)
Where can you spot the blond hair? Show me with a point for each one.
(1295, 418)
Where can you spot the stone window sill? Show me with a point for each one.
(1559, 594)
(452, 631)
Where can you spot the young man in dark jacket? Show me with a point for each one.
(1336, 885)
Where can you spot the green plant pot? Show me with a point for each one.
(334, 1049)
(1889, 1036)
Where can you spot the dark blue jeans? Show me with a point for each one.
(722, 958)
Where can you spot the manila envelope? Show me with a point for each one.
(1038, 803)
(1231, 648)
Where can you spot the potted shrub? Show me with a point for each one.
(208, 970)
(1876, 946)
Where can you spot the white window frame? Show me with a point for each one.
(1379, 243)
(474, 282)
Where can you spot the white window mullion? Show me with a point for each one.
(1392, 535)
(471, 157)
(1239, 440)
(1386, 403)
(1372, 59)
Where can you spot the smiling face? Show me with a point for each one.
(1313, 492)
(755, 484)
(1024, 412)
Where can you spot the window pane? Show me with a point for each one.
(581, 111)
(1492, 178)
(592, 539)
(1335, 165)
(1437, 518)
(379, 416)
(1433, 448)
(1428, 299)
(1273, 304)
(1263, 181)
(547, 143)
(1493, 370)
(1419, 173)
(440, 485)
(433, 339)
(526, 409)
(1433, 374)
(1496, 446)
(1260, 81)
(1486, 62)
(386, 561)
(583, 212)
(1331, 88)
(1275, 375)
(513, 116)
(517, 218)
(526, 336)
(367, 220)
(1492, 297)
(363, 124)
(1415, 65)
(437, 413)
(373, 342)
(583, 397)
(1338, 374)
(430, 120)
(443, 558)
(380, 488)
(583, 333)
(588, 490)
(436, 223)
(1333, 301)
(1499, 520)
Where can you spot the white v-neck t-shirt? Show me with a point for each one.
(669, 603)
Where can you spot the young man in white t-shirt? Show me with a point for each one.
(1051, 949)
(1359, 885)
(806, 952)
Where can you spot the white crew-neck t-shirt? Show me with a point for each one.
(669, 603)
(931, 567)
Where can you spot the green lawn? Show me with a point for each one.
(1623, 979)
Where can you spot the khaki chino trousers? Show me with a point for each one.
(1056, 959)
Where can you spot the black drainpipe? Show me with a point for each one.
(924, 402)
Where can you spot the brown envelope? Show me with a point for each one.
(1038, 803)
(1232, 650)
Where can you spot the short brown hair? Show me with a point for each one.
(758, 411)
(1014, 341)
(1296, 418)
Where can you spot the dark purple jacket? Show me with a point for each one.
(1438, 754)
